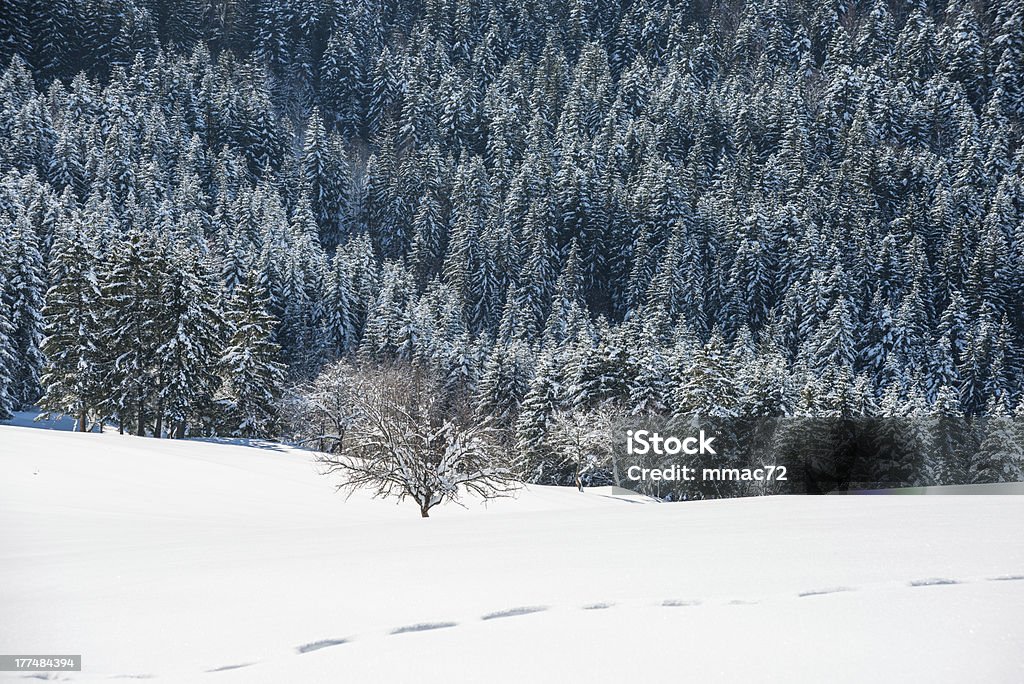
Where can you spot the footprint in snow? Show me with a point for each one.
(932, 581)
(423, 627)
(677, 603)
(317, 645)
(822, 592)
(224, 668)
(513, 612)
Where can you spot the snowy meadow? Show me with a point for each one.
(182, 561)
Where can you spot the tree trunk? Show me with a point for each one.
(179, 430)
(140, 425)
(615, 470)
(158, 431)
(80, 427)
(424, 511)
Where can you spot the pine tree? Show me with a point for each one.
(22, 298)
(385, 87)
(962, 41)
(536, 415)
(73, 314)
(648, 368)
(566, 303)
(834, 341)
(342, 81)
(468, 267)
(253, 377)
(429, 237)
(1010, 44)
(130, 287)
(339, 324)
(189, 343)
(946, 460)
(1000, 457)
(505, 381)
(707, 385)
(767, 387)
(7, 359)
(597, 371)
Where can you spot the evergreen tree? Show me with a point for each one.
(536, 415)
(130, 286)
(505, 381)
(1010, 44)
(707, 384)
(22, 298)
(1000, 457)
(761, 209)
(339, 324)
(73, 314)
(253, 377)
(189, 343)
(7, 358)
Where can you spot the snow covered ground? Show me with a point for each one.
(222, 563)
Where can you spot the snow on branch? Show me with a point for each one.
(398, 433)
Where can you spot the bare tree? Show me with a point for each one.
(583, 438)
(319, 414)
(406, 437)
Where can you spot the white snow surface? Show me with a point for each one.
(182, 561)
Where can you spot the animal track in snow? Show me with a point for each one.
(224, 668)
(932, 582)
(317, 645)
(513, 612)
(601, 605)
(823, 592)
(677, 603)
(423, 627)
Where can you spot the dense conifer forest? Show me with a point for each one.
(660, 207)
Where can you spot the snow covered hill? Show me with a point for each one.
(209, 562)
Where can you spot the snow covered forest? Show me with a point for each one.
(660, 207)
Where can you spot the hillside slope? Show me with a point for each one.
(197, 561)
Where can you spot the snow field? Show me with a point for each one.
(198, 561)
